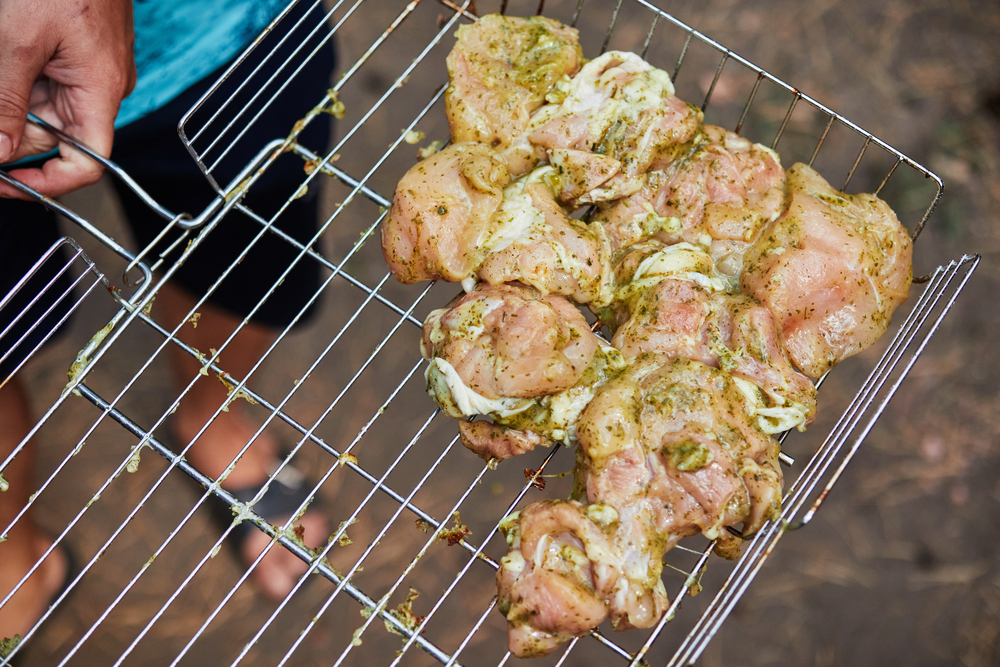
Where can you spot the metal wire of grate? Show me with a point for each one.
(28, 326)
(350, 403)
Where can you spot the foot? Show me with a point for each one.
(280, 569)
(215, 449)
(277, 573)
(18, 554)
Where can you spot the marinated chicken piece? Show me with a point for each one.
(641, 266)
(621, 107)
(441, 212)
(494, 442)
(530, 362)
(674, 437)
(672, 318)
(570, 565)
(668, 305)
(500, 71)
(509, 341)
(580, 172)
(533, 241)
(659, 302)
(560, 569)
(725, 189)
(639, 598)
(666, 450)
(831, 269)
(639, 274)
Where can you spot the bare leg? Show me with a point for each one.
(25, 544)
(213, 452)
(230, 431)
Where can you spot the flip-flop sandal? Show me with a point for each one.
(287, 492)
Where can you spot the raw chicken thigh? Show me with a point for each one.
(528, 361)
(831, 269)
(500, 71)
(621, 107)
(533, 241)
(561, 569)
(571, 565)
(667, 449)
(672, 303)
(509, 341)
(678, 433)
(725, 189)
(441, 213)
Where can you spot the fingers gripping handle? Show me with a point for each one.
(107, 164)
(134, 261)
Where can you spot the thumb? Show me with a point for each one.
(17, 76)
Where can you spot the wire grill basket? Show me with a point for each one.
(347, 397)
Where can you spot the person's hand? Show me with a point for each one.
(70, 62)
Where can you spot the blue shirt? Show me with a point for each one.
(180, 42)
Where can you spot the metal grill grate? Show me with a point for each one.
(35, 321)
(349, 401)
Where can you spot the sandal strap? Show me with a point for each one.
(286, 492)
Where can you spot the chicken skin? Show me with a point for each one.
(500, 71)
(533, 241)
(667, 449)
(530, 362)
(620, 107)
(561, 567)
(673, 304)
(831, 269)
(441, 212)
(678, 432)
(725, 189)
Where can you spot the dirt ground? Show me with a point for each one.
(901, 564)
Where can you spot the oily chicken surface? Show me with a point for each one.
(509, 341)
(620, 107)
(533, 241)
(528, 361)
(678, 433)
(500, 71)
(667, 449)
(831, 269)
(440, 213)
(725, 189)
(561, 568)
(669, 306)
